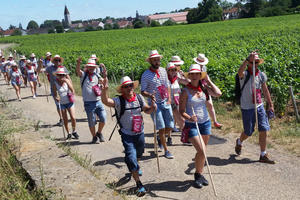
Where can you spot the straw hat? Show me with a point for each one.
(22, 57)
(125, 81)
(32, 55)
(195, 68)
(171, 65)
(59, 70)
(153, 54)
(28, 61)
(93, 56)
(10, 55)
(256, 57)
(91, 63)
(57, 57)
(176, 60)
(201, 59)
(13, 64)
(48, 54)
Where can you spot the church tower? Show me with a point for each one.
(67, 17)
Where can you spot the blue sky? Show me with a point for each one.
(22, 11)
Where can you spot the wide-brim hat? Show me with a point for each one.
(48, 54)
(195, 68)
(59, 70)
(261, 61)
(13, 64)
(201, 59)
(125, 81)
(171, 65)
(176, 60)
(91, 63)
(32, 55)
(10, 56)
(56, 57)
(28, 61)
(153, 54)
(23, 58)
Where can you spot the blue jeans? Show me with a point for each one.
(66, 106)
(134, 148)
(164, 116)
(93, 108)
(204, 128)
(249, 120)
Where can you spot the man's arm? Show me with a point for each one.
(268, 96)
(104, 95)
(78, 70)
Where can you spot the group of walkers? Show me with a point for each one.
(173, 98)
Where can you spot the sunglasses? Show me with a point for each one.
(60, 74)
(128, 86)
(172, 70)
(56, 60)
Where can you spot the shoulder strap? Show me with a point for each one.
(122, 110)
(246, 80)
(204, 90)
(140, 101)
(85, 75)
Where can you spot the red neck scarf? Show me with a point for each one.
(194, 88)
(15, 69)
(155, 71)
(172, 80)
(250, 69)
(132, 99)
(28, 67)
(90, 74)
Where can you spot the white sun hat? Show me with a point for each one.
(32, 55)
(171, 65)
(177, 60)
(153, 54)
(201, 59)
(22, 57)
(57, 56)
(93, 56)
(125, 81)
(59, 70)
(91, 63)
(10, 55)
(48, 54)
(195, 68)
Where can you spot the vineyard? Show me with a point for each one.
(225, 44)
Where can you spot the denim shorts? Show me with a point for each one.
(66, 106)
(93, 108)
(204, 128)
(249, 120)
(164, 116)
(134, 146)
(15, 83)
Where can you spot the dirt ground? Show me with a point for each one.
(235, 177)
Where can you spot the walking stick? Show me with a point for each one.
(62, 119)
(254, 90)
(204, 152)
(45, 82)
(155, 141)
(113, 131)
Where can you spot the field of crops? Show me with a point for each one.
(226, 44)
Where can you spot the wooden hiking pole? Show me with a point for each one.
(155, 141)
(44, 77)
(254, 93)
(62, 119)
(204, 152)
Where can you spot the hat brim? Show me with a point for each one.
(203, 74)
(156, 56)
(201, 63)
(55, 73)
(261, 61)
(135, 85)
(61, 59)
(91, 65)
(177, 63)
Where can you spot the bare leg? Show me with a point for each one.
(34, 87)
(65, 118)
(243, 137)
(100, 127)
(17, 91)
(163, 138)
(31, 87)
(199, 157)
(93, 131)
(263, 140)
(178, 118)
(72, 115)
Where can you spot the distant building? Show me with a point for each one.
(67, 21)
(232, 13)
(143, 18)
(124, 23)
(37, 31)
(179, 17)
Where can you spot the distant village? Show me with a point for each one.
(107, 23)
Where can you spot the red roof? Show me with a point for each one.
(124, 23)
(231, 10)
(8, 32)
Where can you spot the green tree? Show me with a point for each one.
(138, 24)
(107, 26)
(169, 23)
(32, 25)
(207, 11)
(154, 23)
(59, 29)
(51, 30)
(116, 26)
(16, 32)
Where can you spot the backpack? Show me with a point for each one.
(238, 90)
(122, 110)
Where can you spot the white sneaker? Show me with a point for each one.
(34, 96)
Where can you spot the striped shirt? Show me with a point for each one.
(150, 83)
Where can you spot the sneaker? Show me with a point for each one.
(266, 159)
(169, 142)
(100, 136)
(238, 148)
(218, 125)
(20, 99)
(75, 135)
(140, 172)
(159, 143)
(203, 180)
(198, 182)
(169, 155)
(69, 136)
(40, 84)
(141, 191)
(59, 123)
(94, 140)
(34, 96)
(175, 129)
